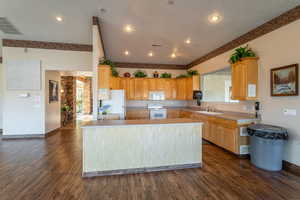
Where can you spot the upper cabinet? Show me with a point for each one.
(104, 76)
(245, 79)
(139, 88)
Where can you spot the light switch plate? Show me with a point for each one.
(290, 112)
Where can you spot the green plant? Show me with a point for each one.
(182, 76)
(166, 75)
(65, 108)
(192, 72)
(139, 74)
(112, 65)
(242, 52)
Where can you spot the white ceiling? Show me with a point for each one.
(155, 22)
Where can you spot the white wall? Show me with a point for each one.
(150, 72)
(278, 48)
(52, 114)
(98, 53)
(24, 116)
(1, 95)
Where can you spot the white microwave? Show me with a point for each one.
(156, 95)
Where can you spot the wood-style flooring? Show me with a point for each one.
(51, 169)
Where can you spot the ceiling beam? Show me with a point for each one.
(46, 45)
(97, 23)
(150, 66)
(276, 23)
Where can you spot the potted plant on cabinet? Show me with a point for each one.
(240, 53)
(112, 65)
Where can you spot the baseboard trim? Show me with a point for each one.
(30, 136)
(140, 170)
(290, 167)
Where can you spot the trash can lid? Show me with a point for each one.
(267, 131)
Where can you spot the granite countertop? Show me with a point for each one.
(102, 123)
(240, 117)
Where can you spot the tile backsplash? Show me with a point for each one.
(242, 106)
(174, 103)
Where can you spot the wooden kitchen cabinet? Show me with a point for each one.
(245, 79)
(192, 83)
(181, 88)
(141, 88)
(137, 114)
(153, 84)
(104, 76)
(173, 113)
(115, 83)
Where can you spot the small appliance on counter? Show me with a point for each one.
(157, 111)
(116, 104)
(197, 94)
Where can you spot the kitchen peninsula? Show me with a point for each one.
(133, 146)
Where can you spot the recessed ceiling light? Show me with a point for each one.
(188, 41)
(126, 53)
(59, 19)
(173, 55)
(150, 54)
(128, 28)
(214, 18)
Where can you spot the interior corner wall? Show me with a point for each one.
(98, 53)
(275, 49)
(52, 114)
(1, 96)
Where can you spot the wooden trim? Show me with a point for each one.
(47, 45)
(150, 66)
(292, 168)
(97, 23)
(276, 23)
(140, 170)
(297, 80)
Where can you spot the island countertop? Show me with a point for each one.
(100, 123)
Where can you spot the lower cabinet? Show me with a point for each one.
(135, 114)
(222, 132)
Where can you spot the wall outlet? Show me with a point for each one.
(244, 149)
(290, 112)
(243, 131)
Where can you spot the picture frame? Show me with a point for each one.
(53, 91)
(285, 81)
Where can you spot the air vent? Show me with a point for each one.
(7, 27)
(156, 45)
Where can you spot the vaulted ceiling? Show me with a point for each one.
(165, 22)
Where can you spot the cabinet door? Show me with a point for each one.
(131, 88)
(115, 83)
(152, 84)
(160, 84)
(189, 89)
(167, 88)
(227, 138)
(173, 89)
(181, 87)
(141, 88)
(104, 75)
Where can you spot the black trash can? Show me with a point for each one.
(266, 146)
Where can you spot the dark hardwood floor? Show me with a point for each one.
(51, 169)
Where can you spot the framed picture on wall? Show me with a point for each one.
(285, 81)
(53, 91)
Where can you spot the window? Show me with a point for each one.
(216, 86)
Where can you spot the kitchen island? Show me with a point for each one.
(134, 146)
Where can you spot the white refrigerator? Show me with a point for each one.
(117, 103)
